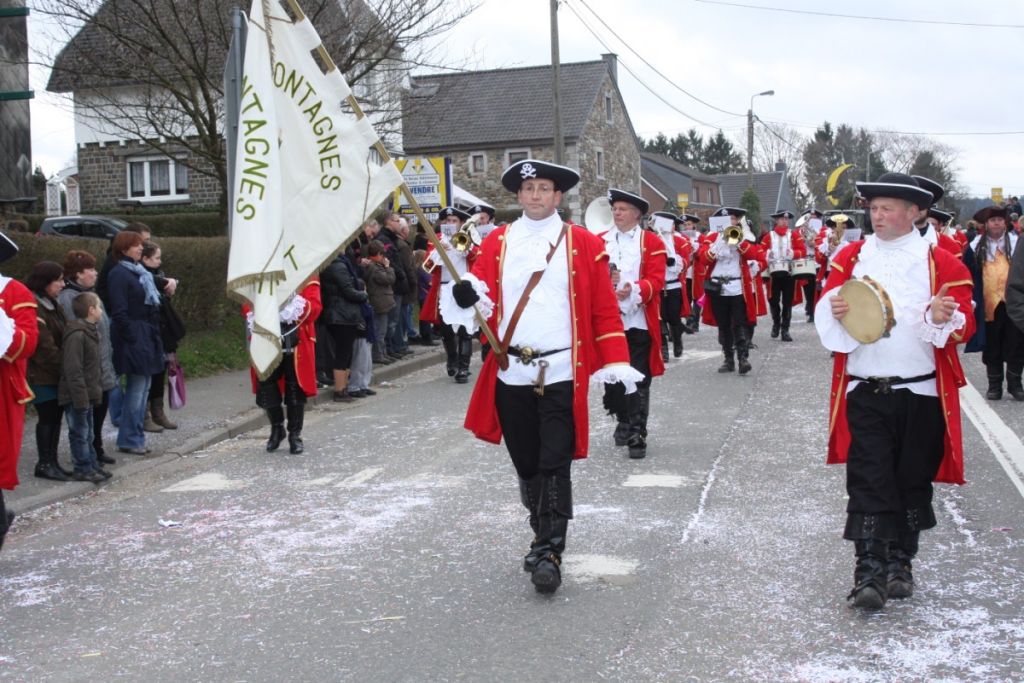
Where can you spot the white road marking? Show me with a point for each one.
(586, 568)
(322, 481)
(211, 481)
(1001, 440)
(359, 478)
(699, 355)
(672, 481)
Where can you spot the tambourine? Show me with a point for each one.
(871, 316)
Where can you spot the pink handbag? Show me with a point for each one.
(176, 396)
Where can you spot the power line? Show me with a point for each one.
(632, 73)
(861, 17)
(651, 66)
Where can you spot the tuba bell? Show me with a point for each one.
(598, 217)
(733, 235)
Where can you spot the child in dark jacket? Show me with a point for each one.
(80, 386)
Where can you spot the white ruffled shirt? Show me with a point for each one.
(728, 265)
(672, 273)
(624, 251)
(901, 266)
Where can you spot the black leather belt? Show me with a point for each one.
(527, 354)
(884, 385)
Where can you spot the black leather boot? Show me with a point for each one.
(1014, 386)
(743, 360)
(677, 341)
(621, 432)
(995, 382)
(277, 433)
(729, 364)
(451, 351)
(664, 348)
(787, 318)
(6, 520)
(465, 355)
(554, 510)
(900, 575)
(870, 576)
(775, 329)
(529, 489)
(296, 414)
(46, 466)
(639, 407)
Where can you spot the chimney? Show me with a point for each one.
(780, 165)
(612, 60)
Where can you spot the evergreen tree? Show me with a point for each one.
(752, 203)
(720, 156)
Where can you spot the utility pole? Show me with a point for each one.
(555, 84)
(750, 146)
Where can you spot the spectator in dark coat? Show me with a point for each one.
(135, 335)
(46, 280)
(379, 277)
(172, 331)
(399, 253)
(343, 316)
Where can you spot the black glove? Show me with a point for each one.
(465, 295)
(670, 261)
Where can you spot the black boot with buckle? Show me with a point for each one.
(465, 356)
(554, 510)
(871, 535)
(529, 490)
(995, 382)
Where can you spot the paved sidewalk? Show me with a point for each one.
(219, 407)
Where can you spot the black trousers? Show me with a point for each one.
(810, 286)
(268, 394)
(99, 416)
(731, 316)
(539, 431)
(783, 288)
(633, 408)
(895, 450)
(671, 308)
(1004, 342)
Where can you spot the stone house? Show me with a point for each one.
(485, 120)
(664, 179)
(122, 164)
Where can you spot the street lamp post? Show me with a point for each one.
(750, 136)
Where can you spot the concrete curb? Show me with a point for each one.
(240, 424)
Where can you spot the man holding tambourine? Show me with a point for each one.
(893, 310)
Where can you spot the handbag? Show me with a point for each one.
(713, 286)
(176, 396)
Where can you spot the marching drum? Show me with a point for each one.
(778, 266)
(871, 315)
(803, 267)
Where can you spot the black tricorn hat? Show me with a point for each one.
(783, 214)
(927, 183)
(684, 217)
(483, 208)
(666, 214)
(938, 214)
(616, 195)
(991, 212)
(898, 186)
(730, 211)
(7, 248)
(813, 212)
(846, 220)
(564, 177)
(452, 211)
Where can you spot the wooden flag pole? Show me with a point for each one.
(492, 338)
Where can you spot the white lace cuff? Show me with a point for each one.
(293, 309)
(249, 317)
(456, 315)
(938, 335)
(632, 303)
(613, 374)
(6, 332)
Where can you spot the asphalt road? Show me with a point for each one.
(391, 551)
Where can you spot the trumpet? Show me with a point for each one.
(467, 237)
(733, 235)
(839, 221)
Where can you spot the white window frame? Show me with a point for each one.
(609, 111)
(470, 168)
(518, 150)
(599, 161)
(147, 197)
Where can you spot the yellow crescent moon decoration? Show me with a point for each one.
(833, 178)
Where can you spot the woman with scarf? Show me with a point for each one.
(135, 336)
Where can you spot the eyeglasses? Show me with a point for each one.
(537, 189)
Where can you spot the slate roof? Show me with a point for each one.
(474, 109)
(669, 167)
(773, 190)
(669, 177)
(93, 58)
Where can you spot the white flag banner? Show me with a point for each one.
(330, 181)
(255, 264)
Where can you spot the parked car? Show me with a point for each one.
(104, 227)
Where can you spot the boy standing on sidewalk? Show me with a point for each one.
(80, 387)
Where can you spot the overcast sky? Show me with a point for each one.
(912, 77)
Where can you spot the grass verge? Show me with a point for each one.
(210, 352)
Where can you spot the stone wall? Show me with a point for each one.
(103, 178)
(619, 147)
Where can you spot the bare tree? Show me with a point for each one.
(775, 142)
(919, 155)
(152, 69)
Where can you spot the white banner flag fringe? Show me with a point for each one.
(255, 263)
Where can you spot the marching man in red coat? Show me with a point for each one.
(725, 272)
(294, 379)
(895, 407)
(18, 336)
(675, 305)
(637, 260)
(546, 290)
(931, 232)
(781, 246)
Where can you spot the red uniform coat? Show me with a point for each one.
(684, 252)
(799, 251)
(305, 351)
(18, 303)
(652, 281)
(951, 245)
(598, 337)
(430, 311)
(960, 239)
(753, 292)
(949, 376)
